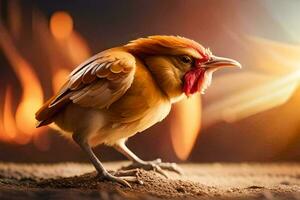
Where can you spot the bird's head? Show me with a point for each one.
(180, 65)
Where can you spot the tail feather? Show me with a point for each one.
(45, 114)
(38, 124)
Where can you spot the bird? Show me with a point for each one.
(126, 89)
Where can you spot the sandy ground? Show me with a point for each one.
(201, 181)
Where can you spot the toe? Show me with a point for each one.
(172, 167)
(156, 165)
(130, 172)
(156, 161)
(133, 179)
(159, 170)
(109, 177)
(128, 175)
(122, 181)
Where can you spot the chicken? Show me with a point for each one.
(125, 90)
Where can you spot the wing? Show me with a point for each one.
(97, 83)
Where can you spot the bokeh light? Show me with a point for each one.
(61, 24)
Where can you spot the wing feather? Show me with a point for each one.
(97, 83)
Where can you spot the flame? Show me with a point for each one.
(61, 24)
(76, 48)
(69, 49)
(10, 132)
(73, 46)
(32, 95)
(9, 124)
(59, 79)
(185, 125)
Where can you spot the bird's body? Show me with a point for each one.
(127, 89)
(141, 106)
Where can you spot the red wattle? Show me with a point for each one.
(193, 80)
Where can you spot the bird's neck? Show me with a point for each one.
(166, 80)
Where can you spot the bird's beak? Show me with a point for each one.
(218, 62)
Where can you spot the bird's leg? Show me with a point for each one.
(121, 178)
(155, 165)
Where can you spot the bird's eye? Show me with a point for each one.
(186, 59)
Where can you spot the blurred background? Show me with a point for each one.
(251, 114)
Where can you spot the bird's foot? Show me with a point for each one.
(155, 165)
(123, 177)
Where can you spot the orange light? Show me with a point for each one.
(32, 94)
(9, 124)
(61, 24)
(185, 125)
(76, 48)
(59, 78)
(19, 127)
(31, 100)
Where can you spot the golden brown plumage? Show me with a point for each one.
(125, 90)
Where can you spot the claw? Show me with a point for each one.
(123, 182)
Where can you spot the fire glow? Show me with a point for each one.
(31, 98)
(17, 125)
